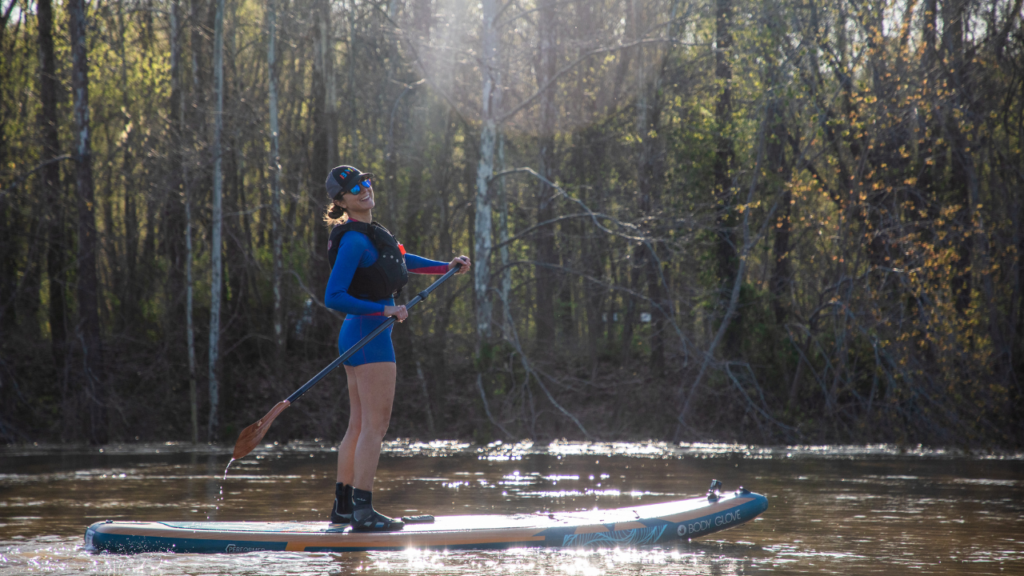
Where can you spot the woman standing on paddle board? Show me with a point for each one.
(369, 267)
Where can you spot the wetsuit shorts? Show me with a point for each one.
(354, 328)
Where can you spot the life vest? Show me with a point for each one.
(385, 277)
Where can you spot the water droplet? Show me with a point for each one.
(228, 467)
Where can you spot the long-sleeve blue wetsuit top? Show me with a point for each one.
(356, 250)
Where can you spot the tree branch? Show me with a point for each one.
(737, 282)
(24, 175)
(568, 68)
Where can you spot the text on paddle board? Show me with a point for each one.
(701, 525)
(237, 548)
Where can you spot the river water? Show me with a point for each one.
(833, 510)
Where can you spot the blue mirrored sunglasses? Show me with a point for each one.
(367, 184)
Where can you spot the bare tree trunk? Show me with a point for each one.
(352, 146)
(393, 204)
(505, 279)
(235, 296)
(651, 178)
(178, 168)
(952, 49)
(780, 278)
(275, 184)
(929, 33)
(545, 243)
(330, 88)
(588, 159)
(975, 258)
(27, 299)
(216, 265)
(419, 126)
(485, 169)
(734, 298)
(8, 263)
(324, 150)
(126, 285)
(184, 162)
(726, 254)
(49, 94)
(633, 272)
(190, 340)
(88, 282)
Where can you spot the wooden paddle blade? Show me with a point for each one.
(251, 436)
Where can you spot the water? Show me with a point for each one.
(848, 510)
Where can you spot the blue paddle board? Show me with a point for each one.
(631, 526)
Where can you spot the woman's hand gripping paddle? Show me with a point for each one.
(250, 438)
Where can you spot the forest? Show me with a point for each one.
(763, 221)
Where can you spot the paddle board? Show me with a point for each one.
(630, 526)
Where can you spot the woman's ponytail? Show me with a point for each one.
(335, 215)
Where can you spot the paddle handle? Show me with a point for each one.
(366, 339)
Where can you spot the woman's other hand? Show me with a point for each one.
(464, 261)
(399, 312)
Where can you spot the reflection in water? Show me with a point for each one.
(63, 556)
(847, 509)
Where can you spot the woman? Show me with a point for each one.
(365, 275)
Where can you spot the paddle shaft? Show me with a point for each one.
(366, 339)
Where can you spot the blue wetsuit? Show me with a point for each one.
(355, 250)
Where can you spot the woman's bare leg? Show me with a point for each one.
(376, 390)
(347, 448)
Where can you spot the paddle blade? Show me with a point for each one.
(251, 436)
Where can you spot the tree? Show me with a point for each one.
(49, 94)
(275, 182)
(547, 58)
(490, 103)
(216, 265)
(868, 287)
(726, 257)
(88, 330)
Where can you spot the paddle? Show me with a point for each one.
(251, 436)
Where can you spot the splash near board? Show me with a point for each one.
(632, 526)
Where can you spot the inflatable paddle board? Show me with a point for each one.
(631, 526)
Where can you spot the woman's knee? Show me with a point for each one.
(355, 426)
(375, 430)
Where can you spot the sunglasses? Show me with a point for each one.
(365, 184)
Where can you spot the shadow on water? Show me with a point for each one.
(838, 509)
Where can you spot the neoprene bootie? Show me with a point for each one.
(366, 519)
(342, 511)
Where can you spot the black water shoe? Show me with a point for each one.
(366, 519)
(369, 520)
(342, 511)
